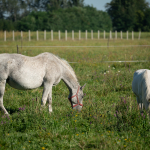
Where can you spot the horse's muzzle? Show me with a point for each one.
(77, 108)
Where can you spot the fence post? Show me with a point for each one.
(29, 36)
(52, 35)
(79, 35)
(17, 50)
(44, 34)
(86, 34)
(110, 35)
(104, 34)
(59, 35)
(132, 35)
(139, 35)
(66, 35)
(13, 35)
(72, 34)
(127, 35)
(5, 36)
(21, 35)
(121, 34)
(98, 34)
(92, 34)
(115, 34)
(37, 35)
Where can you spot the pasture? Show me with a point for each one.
(109, 119)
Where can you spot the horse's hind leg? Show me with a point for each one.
(50, 101)
(2, 90)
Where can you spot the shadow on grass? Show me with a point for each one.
(12, 110)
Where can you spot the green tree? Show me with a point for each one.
(1, 10)
(146, 22)
(77, 3)
(75, 18)
(127, 14)
(13, 8)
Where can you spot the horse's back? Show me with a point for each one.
(24, 72)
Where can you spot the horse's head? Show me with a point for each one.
(77, 99)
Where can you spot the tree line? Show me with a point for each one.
(120, 15)
(129, 15)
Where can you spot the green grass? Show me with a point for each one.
(109, 119)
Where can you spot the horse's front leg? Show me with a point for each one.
(2, 89)
(47, 89)
(50, 100)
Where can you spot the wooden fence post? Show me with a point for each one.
(104, 34)
(132, 35)
(139, 35)
(98, 36)
(5, 36)
(127, 35)
(52, 35)
(79, 35)
(92, 34)
(44, 34)
(21, 35)
(115, 34)
(121, 34)
(86, 34)
(59, 35)
(17, 50)
(66, 35)
(110, 36)
(72, 34)
(29, 36)
(13, 35)
(37, 35)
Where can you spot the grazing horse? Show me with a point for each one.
(141, 88)
(23, 72)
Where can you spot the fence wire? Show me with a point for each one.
(81, 46)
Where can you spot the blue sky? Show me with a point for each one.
(99, 4)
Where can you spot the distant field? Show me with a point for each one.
(109, 119)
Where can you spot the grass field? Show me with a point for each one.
(109, 119)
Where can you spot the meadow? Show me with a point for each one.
(109, 118)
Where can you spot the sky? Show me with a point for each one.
(100, 4)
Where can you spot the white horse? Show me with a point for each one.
(141, 88)
(23, 72)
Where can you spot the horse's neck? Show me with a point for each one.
(70, 81)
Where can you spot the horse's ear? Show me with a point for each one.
(82, 87)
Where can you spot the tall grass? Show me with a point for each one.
(109, 119)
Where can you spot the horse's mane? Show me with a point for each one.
(67, 65)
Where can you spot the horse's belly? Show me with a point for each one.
(24, 84)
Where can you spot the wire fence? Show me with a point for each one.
(80, 46)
